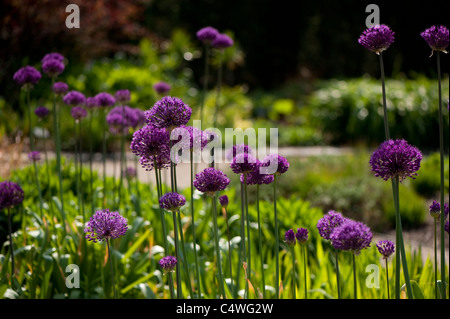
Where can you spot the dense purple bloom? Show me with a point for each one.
(237, 149)
(289, 238)
(377, 38)
(327, 223)
(386, 248)
(207, 34)
(210, 181)
(60, 88)
(351, 236)
(395, 158)
(41, 112)
(223, 200)
(78, 112)
(53, 56)
(272, 161)
(301, 235)
(27, 76)
(11, 194)
(105, 99)
(162, 87)
(122, 96)
(52, 67)
(244, 163)
(168, 263)
(256, 178)
(191, 137)
(222, 41)
(74, 98)
(121, 119)
(105, 225)
(172, 201)
(91, 102)
(152, 145)
(138, 119)
(436, 37)
(34, 156)
(169, 112)
(435, 209)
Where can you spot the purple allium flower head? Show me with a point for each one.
(78, 112)
(207, 34)
(327, 223)
(301, 235)
(138, 119)
(223, 200)
(222, 41)
(386, 248)
(34, 156)
(256, 178)
(172, 201)
(52, 67)
(437, 38)
(244, 163)
(289, 238)
(41, 112)
(168, 263)
(210, 181)
(74, 98)
(169, 112)
(237, 149)
(152, 145)
(274, 161)
(105, 225)
(162, 87)
(122, 96)
(435, 209)
(53, 56)
(351, 236)
(91, 102)
(60, 88)
(395, 158)
(27, 76)
(105, 99)
(190, 136)
(11, 194)
(446, 226)
(121, 119)
(377, 38)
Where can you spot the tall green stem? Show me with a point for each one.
(260, 244)
(337, 274)
(387, 279)
(91, 177)
(216, 240)
(304, 270)
(197, 269)
(277, 240)
(249, 262)
(294, 296)
(229, 247)
(243, 248)
(219, 87)
(104, 125)
(11, 247)
(383, 87)
(185, 261)
(112, 269)
(355, 288)
(442, 190)
(435, 261)
(177, 256)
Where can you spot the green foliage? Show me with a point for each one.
(428, 183)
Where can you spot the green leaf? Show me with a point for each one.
(136, 244)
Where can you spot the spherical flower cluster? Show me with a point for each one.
(222, 41)
(327, 223)
(289, 238)
(351, 236)
(168, 263)
(74, 98)
(396, 158)
(172, 201)
(34, 156)
(301, 235)
(435, 209)
(78, 112)
(169, 112)
(386, 248)
(377, 38)
(105, 99)
(437, 38)
(41, 112)
(138, 119)
(244, 163)
(11, 194)
(60, 88)
(53, 56)
(121, 118)
(105, 225)
(255, 177)
(207, 34)
(190, 136)
(223, 200)
(26, 77)
(91, 102)
(274, 164)
(52, 67)
(152, 145)
(162, 87)
(237, 149)
(210, 181)
(122, 96)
